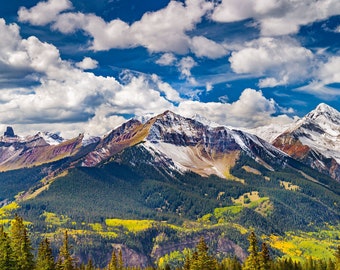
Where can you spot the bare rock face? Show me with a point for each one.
(223, 246)
(9, 132)
(134, 258)
(226, 246)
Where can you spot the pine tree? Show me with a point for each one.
(321, 264)
(252, 261)
(90, 265)
(231, 264)
(264, 257)
(194, 262)
(187, 263)
(113, 262)
(120, 263)
(6, 254)
(65, 260)
(201, 259)
(309, 264)
(21, 245)
(337, 258)
(45, 259)
(330, 265)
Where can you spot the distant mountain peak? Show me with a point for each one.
(315, 140)
(168, 112)
(169, 115)
(323, 107)
(325, 111)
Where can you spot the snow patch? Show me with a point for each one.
(183, 158)
(88, 139)
(269, 132)
(51, 138)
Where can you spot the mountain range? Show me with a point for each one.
(189, 144)
(181, 171)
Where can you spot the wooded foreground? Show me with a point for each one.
(16, 253)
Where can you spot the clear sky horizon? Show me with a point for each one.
(74, 66)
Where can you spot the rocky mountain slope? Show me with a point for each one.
(24, 152)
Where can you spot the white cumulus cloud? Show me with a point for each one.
(167, 59)
(280, 60)
(164, 30)
(251, 110)
(159, 31)
(87, 63)
(327, 74)
(67, 97)
(203, 47)
(44, 12)
(184, 66)
(276, 17)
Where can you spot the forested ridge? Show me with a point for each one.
(16, 253)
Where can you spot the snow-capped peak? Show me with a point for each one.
(323, 107)
(186, 144)
(48, 138)
(319, 130)
(324, 113)
(144, 118)
(205, 121)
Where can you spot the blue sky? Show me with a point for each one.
(74, 66)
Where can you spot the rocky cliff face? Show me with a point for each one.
(177, 130)
(221, 245)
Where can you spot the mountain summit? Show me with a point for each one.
(326, 111)
(315, 140)
(185, 144)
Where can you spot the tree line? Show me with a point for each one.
(16, 253)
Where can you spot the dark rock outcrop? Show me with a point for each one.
(9, 132)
